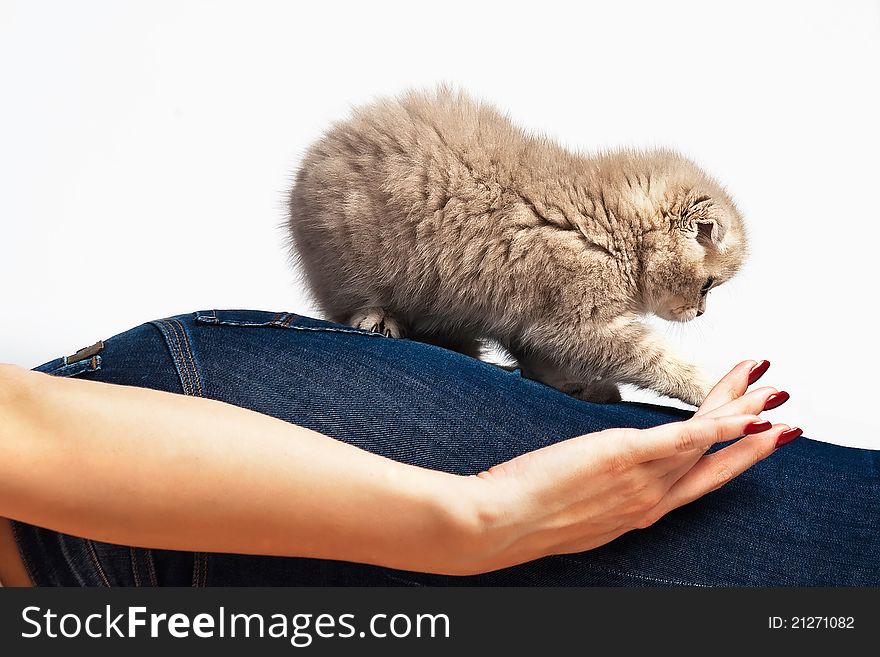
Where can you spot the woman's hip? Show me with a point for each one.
(788, 520)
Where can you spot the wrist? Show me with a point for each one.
(451, 514)
(488, 526)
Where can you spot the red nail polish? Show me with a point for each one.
(776, 400)
(758, 371)
(787, 436)
(756, 427)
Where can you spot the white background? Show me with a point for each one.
(145, 148)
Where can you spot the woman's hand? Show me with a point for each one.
(585, 492)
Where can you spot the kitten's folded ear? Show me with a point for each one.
(709, 231)
(701, 216)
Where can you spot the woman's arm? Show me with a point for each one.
(140, 467)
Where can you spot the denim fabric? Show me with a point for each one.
(808, 515)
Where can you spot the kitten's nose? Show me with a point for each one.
(699, 312)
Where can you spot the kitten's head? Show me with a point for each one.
(699, 242)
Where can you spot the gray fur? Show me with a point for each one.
(434, 217)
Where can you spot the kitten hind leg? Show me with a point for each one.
(463, 344)
(593, 389)
(377, 320)
(599, 391)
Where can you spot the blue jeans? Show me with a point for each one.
(808, 515)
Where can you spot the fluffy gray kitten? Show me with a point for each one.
(434, 217)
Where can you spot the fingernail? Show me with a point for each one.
(758, 371)
(787, 436)
(757, 427)
(776, 400)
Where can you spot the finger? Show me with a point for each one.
(676, 438)
(714, 470)
(752, 403)
(733, 385)
(673, 468)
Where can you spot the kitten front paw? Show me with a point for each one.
(696, 392)
(377, 320)
(597, 392)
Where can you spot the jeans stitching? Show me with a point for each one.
(135, 571)
(200, 569)
(338, 330)
(197, 570)
(646, 578)
(151, 568)
(402, 580)
(93, 555)
(192, 361)
(171, 340)
(174, 348)
(184, 365)
(283, 320)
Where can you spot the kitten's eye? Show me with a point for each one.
(707, 285)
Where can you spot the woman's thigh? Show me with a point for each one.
(807, 515)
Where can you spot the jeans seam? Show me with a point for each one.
(189, 356)
(135, 571)
(646, 578)
(186, 361)
(178, 357)
(402, 580)
(151, 568)
(173, 345)
(93, 555)
(197, 569)
(331, 329)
